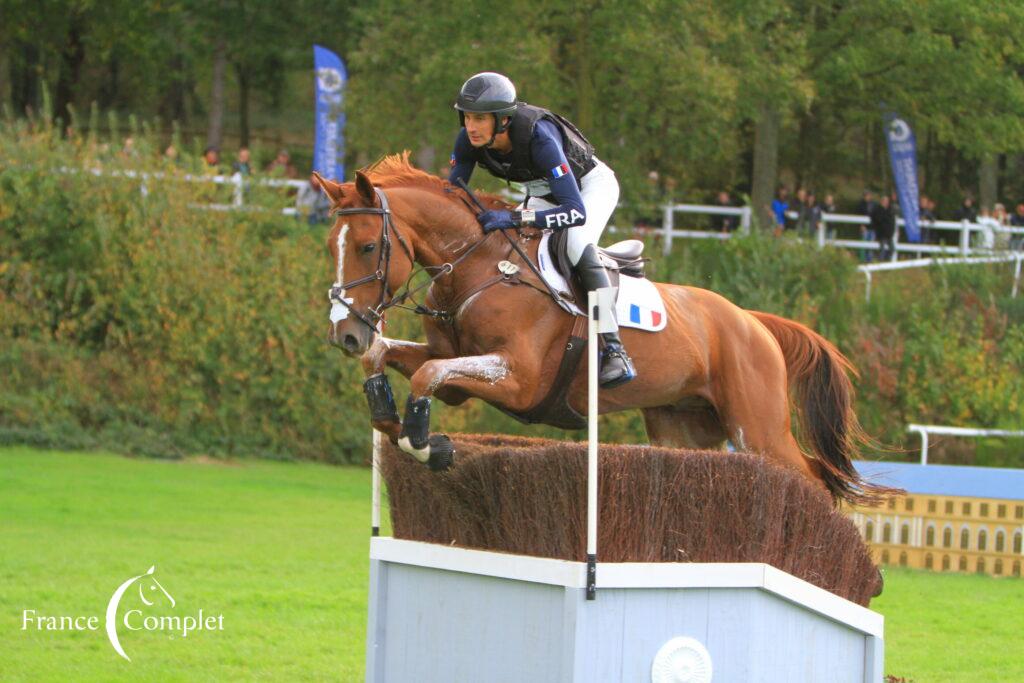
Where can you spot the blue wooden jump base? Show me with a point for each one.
(452, 615)
(442, 614)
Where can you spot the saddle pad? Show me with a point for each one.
(639, 304)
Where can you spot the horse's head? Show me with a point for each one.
(370, 261)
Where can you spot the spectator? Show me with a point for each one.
(865, 208)
(171, 156)
(1017, 221)
(867, 203)
(722, 222)
(967, 212)
(128, 150)
(811, 215)
(828, 205)
(211, 156)
(1003, 219)
(989, 227)
(778, 209)
(314, 202)
(282, 165)
(926, 218)
(242, 164)
(883, 226)
(798, 209)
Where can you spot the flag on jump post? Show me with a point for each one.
(903, 155)
(329, 147)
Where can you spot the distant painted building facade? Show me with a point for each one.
(953, 518)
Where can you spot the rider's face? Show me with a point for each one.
(480, 128)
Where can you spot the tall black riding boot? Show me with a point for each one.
(616, 366)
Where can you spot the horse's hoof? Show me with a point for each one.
(442, 452)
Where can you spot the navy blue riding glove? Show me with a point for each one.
(497, 220)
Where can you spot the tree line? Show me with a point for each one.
(681, 97)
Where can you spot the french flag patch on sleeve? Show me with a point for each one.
(560, 170)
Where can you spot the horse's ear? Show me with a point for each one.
(365, 188)
(330, 187)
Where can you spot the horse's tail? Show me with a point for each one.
(823, 397)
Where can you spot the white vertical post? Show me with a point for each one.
(600, 318)
(924, 446)
(822, 226)
(236, 180)
(667, 220)
(745, 220)
(1016, 277)
(965, 237)
(593, 314)
(375, 486)
(867, 285)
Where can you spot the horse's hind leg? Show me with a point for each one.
(684, 427)
(755, 414)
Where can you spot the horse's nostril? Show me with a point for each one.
(350, 343)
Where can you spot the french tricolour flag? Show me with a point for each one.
(560, 170)
(644, 316)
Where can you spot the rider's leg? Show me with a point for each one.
(600, 193)
(616, 366)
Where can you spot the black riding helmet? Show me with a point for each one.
(488, 93)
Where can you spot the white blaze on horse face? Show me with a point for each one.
(341, 254)
(491, 368)
(339, 311)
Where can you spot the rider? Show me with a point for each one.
(566, 185)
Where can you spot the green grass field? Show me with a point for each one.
(280, 550)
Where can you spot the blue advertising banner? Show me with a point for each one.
(903, 155)
(329, 147)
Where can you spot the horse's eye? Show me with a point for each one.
(369, 247)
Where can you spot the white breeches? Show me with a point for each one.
(600, 192)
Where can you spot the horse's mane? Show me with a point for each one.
(395, 170)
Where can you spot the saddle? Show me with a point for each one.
(621, 258)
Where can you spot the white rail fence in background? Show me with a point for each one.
(968, 254)
(942, 430)
(825, 228)
(237, 181)
(1014, 256)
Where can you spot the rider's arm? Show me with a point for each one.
(546, 150)
(463, 159)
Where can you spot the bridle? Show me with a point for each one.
(336, 295)
(373, 316)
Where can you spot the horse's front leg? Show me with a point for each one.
(489, 377)
(407, 358)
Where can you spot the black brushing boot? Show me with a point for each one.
(616, 365)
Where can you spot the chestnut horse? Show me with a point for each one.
(716, 371)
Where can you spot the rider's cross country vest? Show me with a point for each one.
(578, 150)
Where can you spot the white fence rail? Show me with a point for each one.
(825, 227)
(668, 230)
(943, 430)
(237, 181)
(1016, 257)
